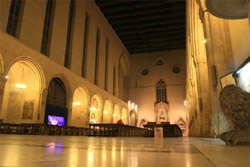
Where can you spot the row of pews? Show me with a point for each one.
(42, 129)
(119, 130)
(105, 130)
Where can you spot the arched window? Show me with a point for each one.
(161, 92)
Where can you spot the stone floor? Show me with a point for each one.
(71, 151)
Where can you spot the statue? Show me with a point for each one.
(235, 104)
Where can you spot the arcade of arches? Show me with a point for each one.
(25, 97)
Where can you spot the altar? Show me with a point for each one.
(169, 130)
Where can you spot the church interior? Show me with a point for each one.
(125, 83)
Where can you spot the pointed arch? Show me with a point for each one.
(80, 107)
(108, 111)
(133, 118)
(123, 77)
(124, 116)
(57, 100)
(22, 95)
(117, 113)
(96, 106)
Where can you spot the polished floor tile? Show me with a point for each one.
(74, 151)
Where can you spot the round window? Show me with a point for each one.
(176, 69)
(144, 71)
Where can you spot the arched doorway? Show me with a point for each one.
(95, 109)
(22, 93)
(132, 118)
(107, 112)
(80, 107)
(124, 116)
(117, 113)
(56, 111)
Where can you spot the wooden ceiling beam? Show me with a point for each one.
(141, 5)
(140, 20)
(147, 26)
(151, 25)
(165, 44)
(142, 31)
(153, 35)
(149, 50)
(146, 13)
(144, 41)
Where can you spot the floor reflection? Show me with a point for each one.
(72, 151)
(54, 149)
(90, 156)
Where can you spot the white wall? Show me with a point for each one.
(142, 88)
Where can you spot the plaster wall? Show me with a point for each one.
(59, 32)
(32, 31)
(32, 24)
(142, 88)
(4, 14)
(77, 43)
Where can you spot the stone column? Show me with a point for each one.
(3, 81)
(220, 62)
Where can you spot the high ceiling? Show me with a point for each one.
(147, 26)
